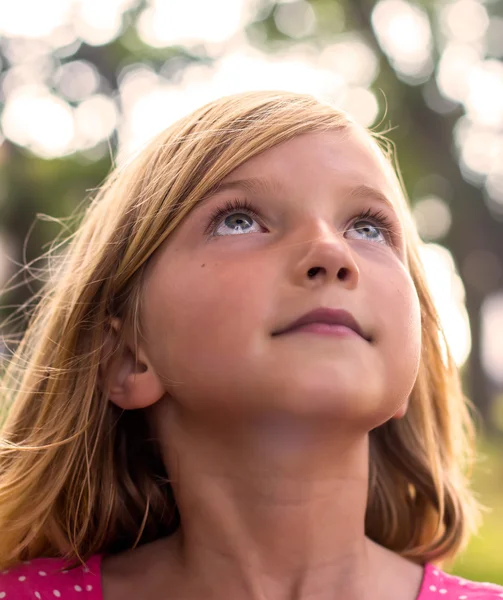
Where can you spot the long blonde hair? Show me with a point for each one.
(79, 476)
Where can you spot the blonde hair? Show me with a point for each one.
(79, 476)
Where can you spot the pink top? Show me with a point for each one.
(39, 579)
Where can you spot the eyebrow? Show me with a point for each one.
(259, 185)
(253, 185)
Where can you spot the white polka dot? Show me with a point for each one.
(435, 572)
(463, 597)
(442, 591)
(37, 595)
(77, 588)
(21, 578)
(89, 588)
(42, 573)
(64, 571)
(57, 593)
(433, 588)
(85, 569)
(26, 562)
(2, 594)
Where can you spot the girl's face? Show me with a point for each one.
(307, 233)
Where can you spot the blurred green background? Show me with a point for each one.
(84, 83)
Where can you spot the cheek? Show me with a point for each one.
(199, 315)
(401, 324)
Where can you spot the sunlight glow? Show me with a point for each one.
(353, 59)
(432, 217)
(494, 189)
(492, 341)
(39, 120)
(150, 103)
(449, 297)
(77, 79)
(100, 22)
(464, 20)
(22, 75)
(361, 103)
(481, 148)
(456, 61)
(484, 103)
(404, 33)
(95, 120)
(295, 19)
(32, 18)
(165, 22)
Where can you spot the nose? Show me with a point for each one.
(325, 256)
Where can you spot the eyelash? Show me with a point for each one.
(379, 219)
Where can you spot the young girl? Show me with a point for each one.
(235, 385)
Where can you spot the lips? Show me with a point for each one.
(329, 316)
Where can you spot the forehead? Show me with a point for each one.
(349, 157)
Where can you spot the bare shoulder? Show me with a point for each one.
(136, 574)
(396, 578)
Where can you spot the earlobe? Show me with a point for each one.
(129, 383)
(138, 390)
(402, 411)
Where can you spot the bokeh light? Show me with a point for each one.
(492, 340)
(480, 148)
(455, 62)
(449, 297)
(361, 103)
(99, 22)
(295, 19)
(464, 20)
(484, 101)
(151, 103)
(353, 59)
(31, 18)
(95, 120)
(432, 217)
(41, 121)
(165, 23)
(404, 33)
(77, 79)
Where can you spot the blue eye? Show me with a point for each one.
(375, 226)
(241, 214)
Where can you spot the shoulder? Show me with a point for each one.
(437, 584)
(50, 578)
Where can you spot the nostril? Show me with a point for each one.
(343, 273)
(313, 271)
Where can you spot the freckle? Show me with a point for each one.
(203, 264)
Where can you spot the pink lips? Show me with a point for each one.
(326, 321)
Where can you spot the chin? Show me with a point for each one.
(327, 400)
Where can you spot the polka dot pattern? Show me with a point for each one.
(50, 579)
(47, 579)
(438, 585)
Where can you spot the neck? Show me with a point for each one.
(275, 508)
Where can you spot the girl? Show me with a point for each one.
(235, 385)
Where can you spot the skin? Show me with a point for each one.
(265, 436)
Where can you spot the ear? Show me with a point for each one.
(130, 384)
(401, 412)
